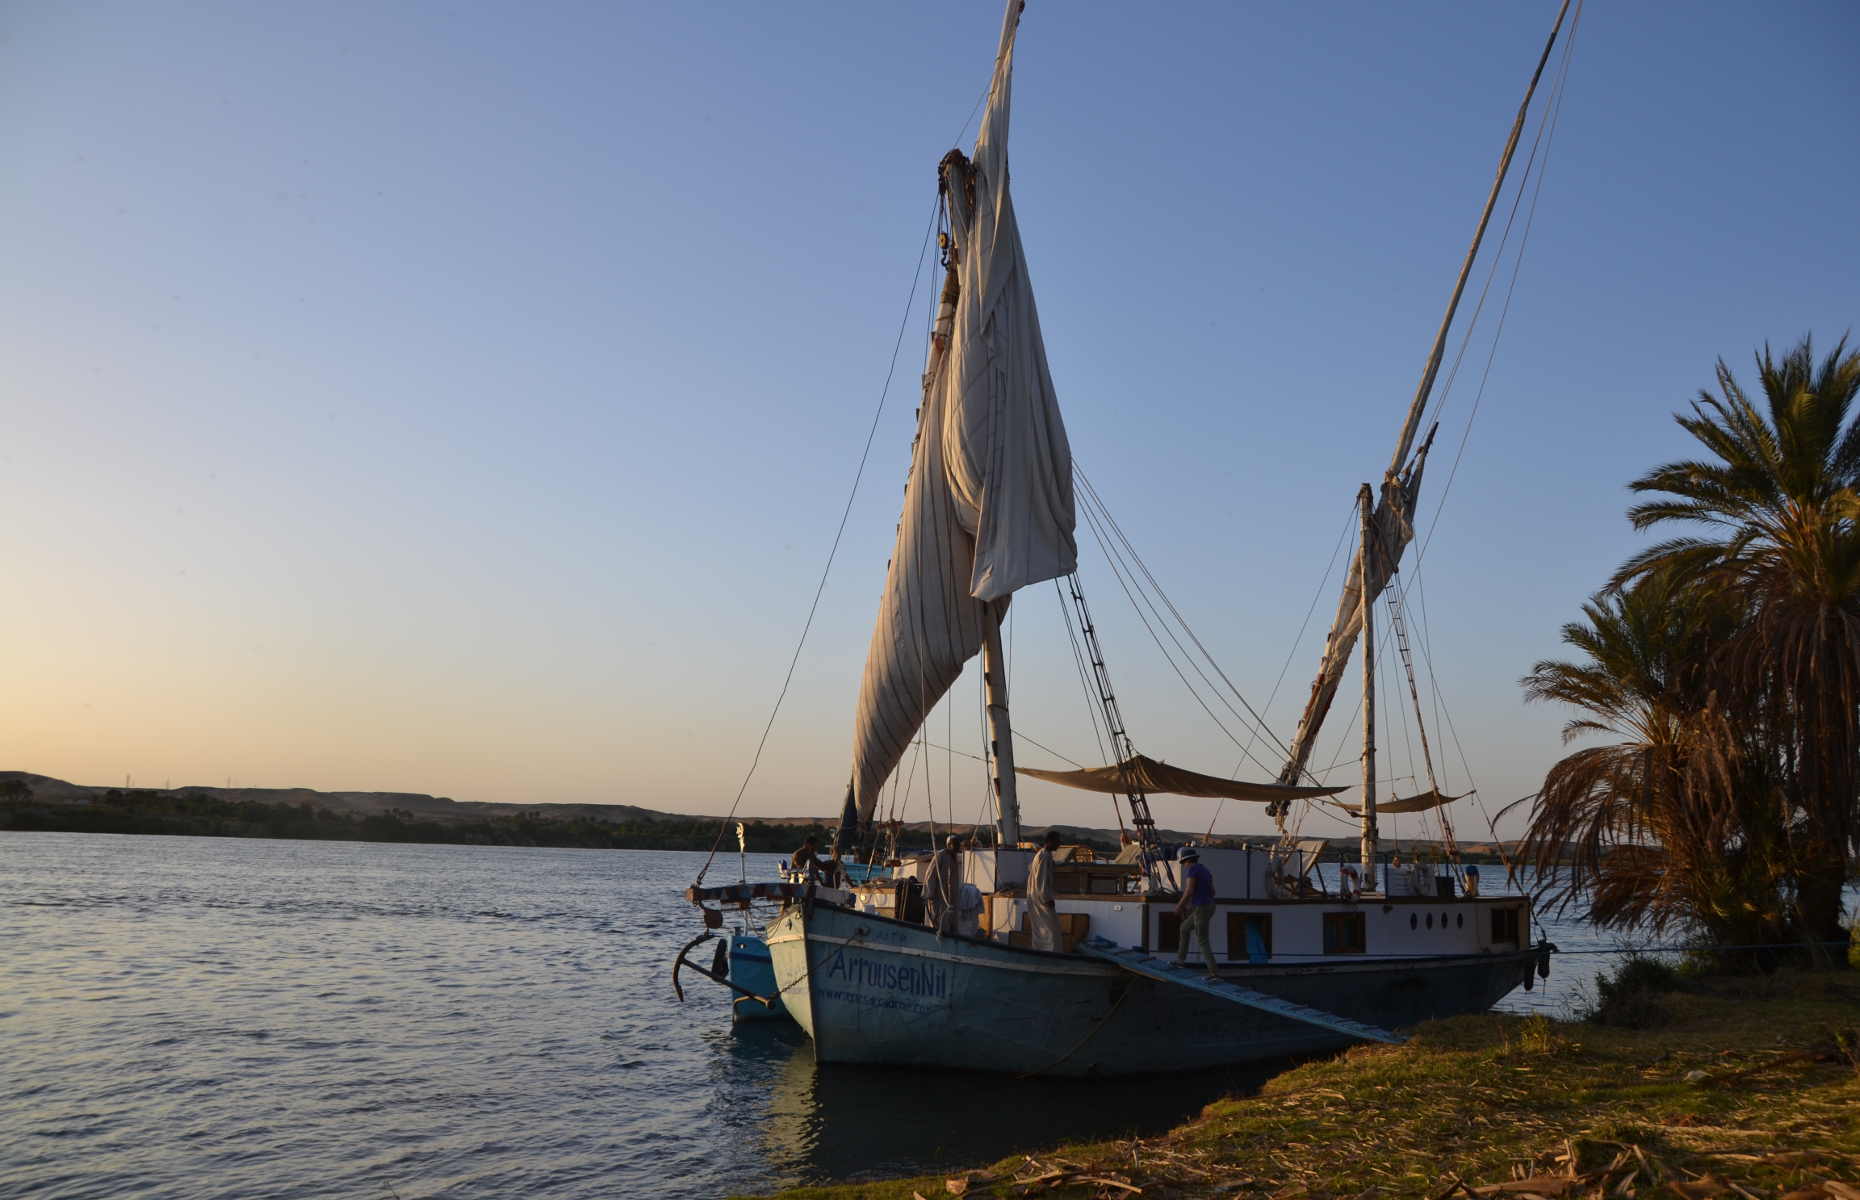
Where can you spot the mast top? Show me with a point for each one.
(1406, 441)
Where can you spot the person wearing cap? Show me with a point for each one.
(1195, 908)
(1042, 920)
(941, 885)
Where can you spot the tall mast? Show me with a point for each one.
(1401, 484)
(988, 509)
(1365, 500)
(1421, 393)
(1000, 734)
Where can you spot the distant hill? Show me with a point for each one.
(440, 808)
(407, 816)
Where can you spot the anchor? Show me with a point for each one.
(713, 975)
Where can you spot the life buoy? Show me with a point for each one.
(1352, 882)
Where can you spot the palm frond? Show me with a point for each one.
(1726, 666)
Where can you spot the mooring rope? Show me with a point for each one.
(1771, 946)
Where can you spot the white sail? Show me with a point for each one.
(988, 508)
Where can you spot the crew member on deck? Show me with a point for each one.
(1042, 920)
(941, 886)
(1131, 851)
(1195, 908)
(806, 861)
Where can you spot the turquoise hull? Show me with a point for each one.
(869, 989)
(751, 967)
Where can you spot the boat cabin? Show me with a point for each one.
(1267, 910)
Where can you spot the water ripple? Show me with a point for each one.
(213, 1019)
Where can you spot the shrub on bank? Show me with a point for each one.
(1630, 997)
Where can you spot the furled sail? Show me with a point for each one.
(1426, 801)
(1393, 525)
(988, 508)
(1144, 774)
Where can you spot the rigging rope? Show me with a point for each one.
(1259, 721)
(1169, 658)
(1018, 736)
(988, 751)
(1078, 663)
(1349, 522)
(1407, 743)
(813, 608)
(1123, 750)
(1552, 113)
(936, 209)
(1544, 138)
(1546, 134)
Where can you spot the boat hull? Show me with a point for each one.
(750, 967)
(872, 990)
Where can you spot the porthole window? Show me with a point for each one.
(1459, 921)
(1414, 922)
(1430, 920)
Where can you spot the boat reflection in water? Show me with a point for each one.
(841, 1122)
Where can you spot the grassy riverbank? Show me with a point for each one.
(1741, 1086)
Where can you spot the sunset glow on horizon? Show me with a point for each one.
(405, 398)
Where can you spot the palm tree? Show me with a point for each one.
(1777, 499)
(1655, 829)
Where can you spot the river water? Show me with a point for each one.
(220, 1018)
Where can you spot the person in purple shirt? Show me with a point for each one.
(1195, 908)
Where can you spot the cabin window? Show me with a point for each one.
(1249, 937)
(1168, 931)
(1505, 924)
(1459, 920)
(1343, 933)
(1430, 920)
(1414, 921)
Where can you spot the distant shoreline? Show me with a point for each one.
(159, 814)
(43, 804)
(192, 815)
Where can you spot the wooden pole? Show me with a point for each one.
(1318, 706)
(1000, 734)
(1366, 500)
(1413, 423)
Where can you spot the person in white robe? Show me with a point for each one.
(941, 885)
(1042, 918)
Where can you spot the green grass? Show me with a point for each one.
(1753, 1081)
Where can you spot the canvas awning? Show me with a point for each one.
(1144, 774)
(1427, 800)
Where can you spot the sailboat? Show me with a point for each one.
(988, 511)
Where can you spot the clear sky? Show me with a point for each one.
(462, 398)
